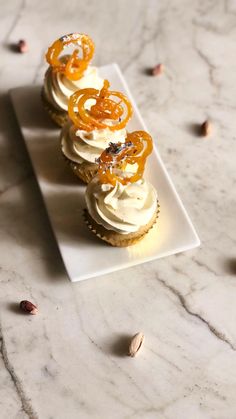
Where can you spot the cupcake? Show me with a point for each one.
(96, 118)
(122, 206)
(67, 74)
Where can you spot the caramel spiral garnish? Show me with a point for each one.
(113, 161)
(72, 66)
(104, 108)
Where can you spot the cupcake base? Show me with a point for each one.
(59, 117)
(117, 239)
(84, 171)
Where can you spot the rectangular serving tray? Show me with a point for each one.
(83, 254)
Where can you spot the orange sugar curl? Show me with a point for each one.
(104, 109)
(114, 159)
(72, 66)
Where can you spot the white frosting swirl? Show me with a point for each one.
(80, 146)
(122, 208)
(58, 88)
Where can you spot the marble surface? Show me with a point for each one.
(69, 361)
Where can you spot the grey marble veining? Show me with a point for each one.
(68, 361)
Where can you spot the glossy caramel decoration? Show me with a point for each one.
(114, 159)
(74, 65)
(104, 109)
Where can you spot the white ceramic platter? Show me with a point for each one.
(83, 254)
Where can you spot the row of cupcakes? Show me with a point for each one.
(121, 205)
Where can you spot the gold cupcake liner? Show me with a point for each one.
(59, 117)
(117, 239)
(84, 171)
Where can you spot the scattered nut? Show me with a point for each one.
(28, 307)
(206, 128)
(22, 46)
(136, 343)
(157, 70)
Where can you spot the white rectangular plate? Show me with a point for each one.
(84, 255)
